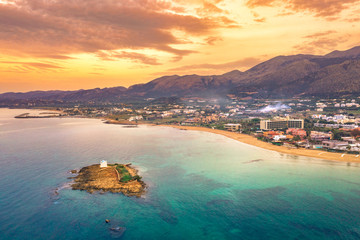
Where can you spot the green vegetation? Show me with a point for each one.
(125, 175)
(173, 120)
(137, 177)
(338, 134)
(277, 143)
(250, 125)
(118, 117)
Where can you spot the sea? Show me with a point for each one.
(200, 185)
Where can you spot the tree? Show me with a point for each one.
(255, 120)
(337, 134)
(297, 138)
(137, 177)
(355, 132)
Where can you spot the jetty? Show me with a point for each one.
(39, 115)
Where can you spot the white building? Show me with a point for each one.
(232, 127)
(281, 123)
(279, 137)
(103, 163)
(135, 118)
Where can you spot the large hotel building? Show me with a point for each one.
(281, 124)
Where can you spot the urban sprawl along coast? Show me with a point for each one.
(331, 125)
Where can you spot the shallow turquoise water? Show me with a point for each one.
(201, 186)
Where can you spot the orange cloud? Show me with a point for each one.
(320, 34)
(59, 28)
(247, 62)
(23, 67)
(320, 42)
(260, 20)
(213, 40)
(329, 9)
(133, 56)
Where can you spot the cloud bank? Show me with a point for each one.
(56, 28)
(329, 9)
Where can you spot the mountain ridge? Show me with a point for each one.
(334, 74)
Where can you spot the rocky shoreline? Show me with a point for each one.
(108, 179)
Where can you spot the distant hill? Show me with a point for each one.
(333, 75)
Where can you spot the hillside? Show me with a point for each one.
(332, 75)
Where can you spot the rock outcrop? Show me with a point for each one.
(93, 178)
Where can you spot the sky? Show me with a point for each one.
(82, 44)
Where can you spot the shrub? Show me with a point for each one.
(125, 178)
(137, 177)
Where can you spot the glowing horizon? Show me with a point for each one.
(68, 45)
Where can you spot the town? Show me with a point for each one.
(328, 124)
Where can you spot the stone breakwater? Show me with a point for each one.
(93, 178)
(40, 115)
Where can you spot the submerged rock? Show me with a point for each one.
(117, 232)
(253, 161)
(118, 229)
(169, 217)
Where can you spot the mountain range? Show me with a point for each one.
(336, 74)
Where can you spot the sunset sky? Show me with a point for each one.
(81, 44)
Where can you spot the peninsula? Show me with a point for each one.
(115, 178)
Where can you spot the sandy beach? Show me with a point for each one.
(244, 138)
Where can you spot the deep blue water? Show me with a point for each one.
(201, 186)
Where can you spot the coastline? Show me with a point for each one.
(244, 138)
(247, 139)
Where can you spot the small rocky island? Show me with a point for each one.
(115, 178)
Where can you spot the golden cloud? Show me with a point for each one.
(330, 9)
(58, 28)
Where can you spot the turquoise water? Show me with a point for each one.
(201, 186)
